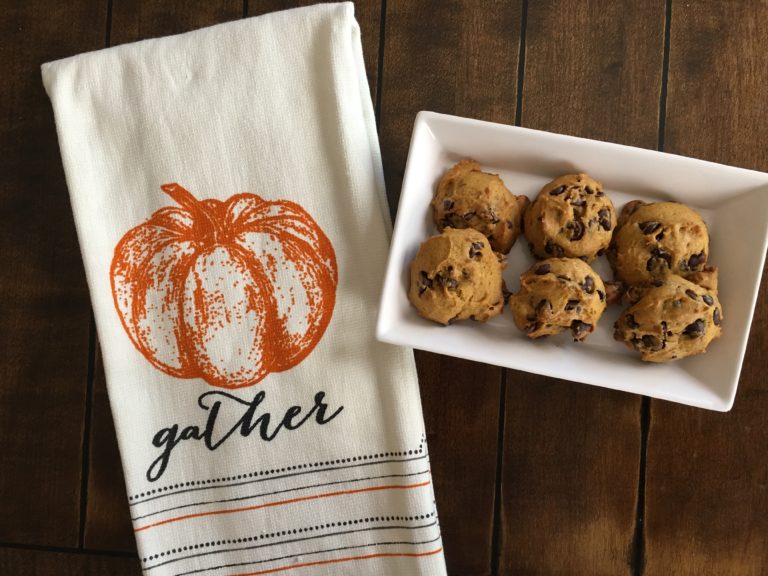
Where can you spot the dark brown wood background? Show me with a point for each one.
(533, 475)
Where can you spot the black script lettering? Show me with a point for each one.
(218, 428)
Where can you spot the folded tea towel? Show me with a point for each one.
(229, 201)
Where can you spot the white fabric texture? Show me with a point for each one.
(229, 200)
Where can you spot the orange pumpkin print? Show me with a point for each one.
(225, 291)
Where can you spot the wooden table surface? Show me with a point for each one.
(533, 475)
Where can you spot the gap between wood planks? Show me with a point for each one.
(496, 533)
(638, 559)
(91, 375)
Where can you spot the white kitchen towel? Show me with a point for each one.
(229, 201)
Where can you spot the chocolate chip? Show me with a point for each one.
(677, 303)
(657, 282)
(510, 224)
(577, 230)
(571, 305)
(589, 190)
(649, 227)
(600, 194)
(476, 249)
(542, 269)
(631, 322)
(695, 329)
(446, 222)
(657, 256)
(554, 250)
(424, 282)
(452, 283)
(652, 343)
(601, 295)
(691, 294)
(468, 216)
(696, 260)
(531, 328)
(708, 299)
(716, 317)
(447, 204)
(580, 329)
(660, 236)
(589, 285)
(604, 217)
(557, 191)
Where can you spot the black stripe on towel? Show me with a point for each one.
(289, 532)
(208, 483)
(287, 490)
(372, 544)
(422, 457)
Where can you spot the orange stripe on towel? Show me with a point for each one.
(282, 502)
(346, 559)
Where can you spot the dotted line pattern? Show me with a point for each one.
(210, 481)
(306, 529)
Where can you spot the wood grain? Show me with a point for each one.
(45, 320)
(463, 62)
(15, 562)
(707, 475)
(134, 20)
(461, 413)
(107, 522)
(572, 452)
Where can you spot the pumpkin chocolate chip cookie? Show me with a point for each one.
(456, 276)
(571, 217)
(558, 294)
(673, 320)
(467, 197)
(655, 240)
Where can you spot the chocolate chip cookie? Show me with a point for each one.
(655, 240)
(571, 217)
(671, 321)
(456, 275)
(467, 197)
(558, 294)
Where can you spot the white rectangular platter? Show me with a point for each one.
(733, 202)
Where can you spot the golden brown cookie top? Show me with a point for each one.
(558, 294)
(455, 275)
(671, 321)
(467, 197)
(571, 217)
(655, 240)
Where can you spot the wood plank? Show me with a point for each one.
(367, 14)
(707, 475)
(460, 400)
(107, 522)
(463, 62)
(572, 452)
(134, 20)
(45, 324)
(21, 562)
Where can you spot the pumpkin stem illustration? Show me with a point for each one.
(202, 213)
